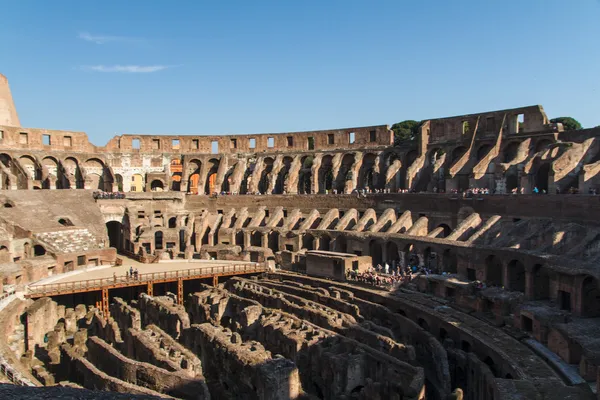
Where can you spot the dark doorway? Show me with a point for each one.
(114, 229)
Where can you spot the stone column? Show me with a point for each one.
(529, 285)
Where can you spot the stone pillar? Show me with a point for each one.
(264, 242)
(505, 276)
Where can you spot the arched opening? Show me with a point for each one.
(193, 168)
(115, 232)
(375, 251)
(516, 276)
(4, 255)
(510, 152)
(156, 186)
(483, 151)
(119, 181)
(38, 250)
(446, 231)
(65, 222)
(263, 183)
(239, 239)
(158, 240)
(326, 174)
(210, 187)
(227, 181)
(450, 261)
(391, 252)
(493, 271)
(366, 172)
(305, 181)
(282, 176)
(512, 182)
(345, 172)
(173, 222)
(490, 363)
(423, 324)
(457, 153)
(324, 243)
(590, 297)
(256, 239)
(340, 244)
(274, 241)
(247, 178)
(176, 173)
(308, 242)
(541, 281)
(541, 177)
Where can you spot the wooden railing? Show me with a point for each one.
(123, 281)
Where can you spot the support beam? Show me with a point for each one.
(150, 289)
(215, 281)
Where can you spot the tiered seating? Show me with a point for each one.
(69, 241)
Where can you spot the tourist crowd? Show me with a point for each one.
(100, 195)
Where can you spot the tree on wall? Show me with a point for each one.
(570, 124)
(405, 131)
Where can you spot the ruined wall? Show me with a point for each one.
(143, 374)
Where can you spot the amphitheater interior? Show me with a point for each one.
(505, 303)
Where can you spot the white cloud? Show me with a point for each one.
(127, 68)
(102, 39)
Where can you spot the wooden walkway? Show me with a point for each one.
(148, 279)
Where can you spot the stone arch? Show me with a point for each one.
(115, 234)
(73, 171)
(345, 172)
(263, 183)
(176, 174)
(366, 174)
(326, 174)
(510, 151)
(308, 241)
(483, 151)
(446, 230)
(30, 164)
(193, 168)
(39, 250)
(158, 240)
(210, 185)
(256, 239)
(542, 176)
(227, 180)
(4, 255)
(516, 276)
(325, 243)
(493, 270)
(157, 185)
(340, 244)
(273, 239)
(457, 153)
(282, 176)
(119, 181)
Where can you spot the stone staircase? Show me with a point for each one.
(69, 241)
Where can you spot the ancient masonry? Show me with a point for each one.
(293, 326)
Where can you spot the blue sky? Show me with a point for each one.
(199, 67)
